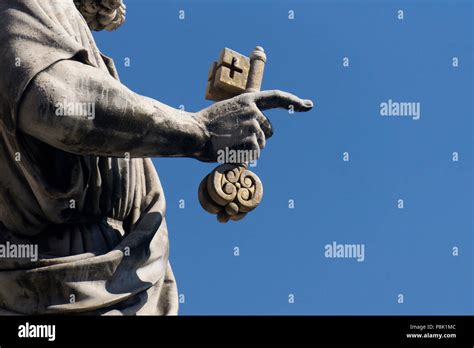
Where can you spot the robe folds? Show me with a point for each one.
(107, 253)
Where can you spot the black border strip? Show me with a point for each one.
(194, 330)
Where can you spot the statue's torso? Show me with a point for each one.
(57, 194)
(98, 221)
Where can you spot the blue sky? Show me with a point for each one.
(407, 251)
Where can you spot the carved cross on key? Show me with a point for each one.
(228, 76)
(232, 67)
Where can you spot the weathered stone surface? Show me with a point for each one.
(212, 92)
(232, 71)
(221, 192)
(228, 75)
(230, 191)
(258, 58)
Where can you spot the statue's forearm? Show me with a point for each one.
(80, 109)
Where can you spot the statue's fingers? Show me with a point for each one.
(250, 143)
(253, 131)
(264, 123)
(248, 127)
(261, 139)
(278, 99)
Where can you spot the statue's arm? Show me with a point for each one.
(124, 122)
(128, 123)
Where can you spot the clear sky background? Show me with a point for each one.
(407, 251)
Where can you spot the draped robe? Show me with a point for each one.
(98, 221)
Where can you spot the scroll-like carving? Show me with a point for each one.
(230, 191)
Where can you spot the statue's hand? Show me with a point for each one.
(239, 124)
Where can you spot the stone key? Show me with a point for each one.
(231, 190)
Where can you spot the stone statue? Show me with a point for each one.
(76, 180)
